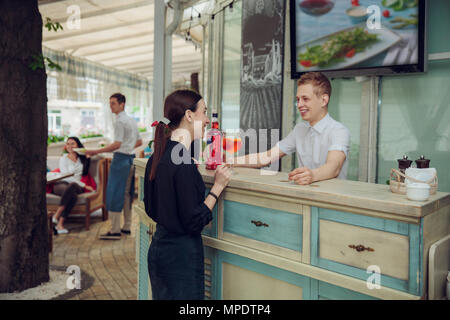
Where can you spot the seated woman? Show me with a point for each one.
(69, 188)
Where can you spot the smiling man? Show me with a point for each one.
(322, 144)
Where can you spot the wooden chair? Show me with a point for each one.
(86, 202)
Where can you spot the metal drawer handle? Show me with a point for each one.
(360, 248)
(259, 223)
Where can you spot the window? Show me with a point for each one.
(88, 118)
(414, 118)
(231, 68)
(54, 122)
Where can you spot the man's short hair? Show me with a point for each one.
(319, 81)
(120, 97)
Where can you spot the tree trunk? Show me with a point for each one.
(23, 146)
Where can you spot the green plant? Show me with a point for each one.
(53, 25)
(142, 129)
(150, 144)
(54, 139)
(39, 60)
(39, 63)
(91, 135)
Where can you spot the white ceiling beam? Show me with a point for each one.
(100, 42)
(174, 71)
(46, 2)
(118, 52)
(96, 30)
(176, 40)
(146, 56)
(176, 63)
(140, 64)
(107, 11)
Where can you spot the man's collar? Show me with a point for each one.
(320, 126)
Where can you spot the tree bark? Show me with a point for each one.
(24, 258)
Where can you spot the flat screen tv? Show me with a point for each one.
(347, 38)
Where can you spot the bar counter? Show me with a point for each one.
(334, 239)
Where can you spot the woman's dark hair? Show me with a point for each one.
(175, 106)
(84, 160)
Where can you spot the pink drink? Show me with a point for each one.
(214, 144)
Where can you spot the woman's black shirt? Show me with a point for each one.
(175, 198)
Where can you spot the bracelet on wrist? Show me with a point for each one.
(214, 195)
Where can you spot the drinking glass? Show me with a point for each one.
(231, 144)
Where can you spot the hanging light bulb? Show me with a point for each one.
(231, 6)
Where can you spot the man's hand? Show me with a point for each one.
(90, 153)
(301, 176)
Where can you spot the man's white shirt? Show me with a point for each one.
(313, 143)
(126, 132)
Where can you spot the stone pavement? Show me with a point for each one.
(111, 263)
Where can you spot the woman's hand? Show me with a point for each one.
(221, 179)
(89, 188)
(222, 176)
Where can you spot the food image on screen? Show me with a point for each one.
(358, 37)
(337, 48)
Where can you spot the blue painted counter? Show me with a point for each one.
(271, 239)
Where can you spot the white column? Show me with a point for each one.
(159, 52)
(369, 131)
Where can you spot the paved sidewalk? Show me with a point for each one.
(110, 262)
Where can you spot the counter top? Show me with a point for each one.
(362, 195)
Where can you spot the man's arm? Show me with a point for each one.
(330, 170)
(138, 143)
(259, 160)
(112, 147)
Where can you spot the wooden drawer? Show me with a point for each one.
(246, 279)
(350, 243)
(325, 291)
(269, 225)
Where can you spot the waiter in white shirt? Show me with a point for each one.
(322, 144)
(120, 187)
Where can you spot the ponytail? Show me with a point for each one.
(161, 137)
(175, 106)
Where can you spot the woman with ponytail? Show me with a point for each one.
(174, 197)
